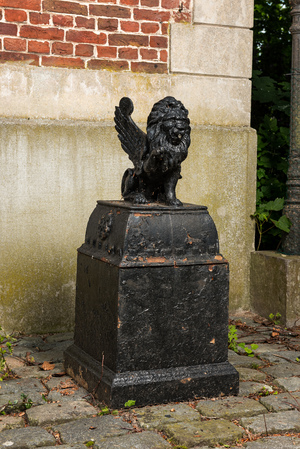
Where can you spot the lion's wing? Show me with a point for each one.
(133, 139)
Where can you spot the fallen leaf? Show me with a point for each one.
(47, 366)
(172, 410)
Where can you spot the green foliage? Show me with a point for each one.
(5, 347)
(26, 402)
(129, 403)
(89, 443)
(104, 411)
(264, 217)
(275, 318)
(270, 115)
(232, 338)
(232, 342)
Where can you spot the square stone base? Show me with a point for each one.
(275, 285)
(165, 385)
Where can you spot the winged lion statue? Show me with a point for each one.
(157, 154)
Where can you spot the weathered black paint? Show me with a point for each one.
(152, 305)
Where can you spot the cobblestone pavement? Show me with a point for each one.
(43, 407)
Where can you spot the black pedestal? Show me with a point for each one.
(151, 306)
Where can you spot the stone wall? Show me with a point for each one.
(59, 152)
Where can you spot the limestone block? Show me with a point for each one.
(55, 171)
(91, 95)
(275, 285)
(237, 13)
(211, 50)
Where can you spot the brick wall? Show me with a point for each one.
(112, 35)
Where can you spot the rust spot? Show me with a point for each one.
(119, 323)
(141, 259)
(142, 215)
(211, 267)
(219, 258)
(185, 259)
(175, 264)
(213, 341)
(190, 241)
(156, 259)
(186, 380)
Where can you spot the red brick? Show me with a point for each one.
(163, 56)
(129, 2)
(0, 15)
(147, 53)
(9, 56)
(15, 15)
(84, 50)
(82, 22)
(108, 24)
(159, 41)
(165, 28)
(86, 37)
(130, 27)
(62, 48)
(41, 33)
(104, 64)
(0, 42)
(128, 53)
(65, 7)
(107, 52)
(38, 47)
(37, 18)
(63, 21)
(150, 3)
(33, 5)
(58, 61)
(149, 67)
(125, 40)
(8, 29)
(149, 27)
(15, 44)
(154, 16)
(171, 4)
(110, 11)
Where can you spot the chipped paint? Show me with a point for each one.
(156, 259)
(186, 380)
(213, 341)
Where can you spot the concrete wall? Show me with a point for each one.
(59, 154)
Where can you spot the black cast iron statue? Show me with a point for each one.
(157, 155)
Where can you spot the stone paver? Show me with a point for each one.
(250, 374)
(26, 438)
(243, 361)
(191, 434)
(275, 443)
(156, 416)
(47, 414)
(288, 383)
(247, 388)
(63, 411)
(281, 402)
(10, 422)
(143, 440)
(96, 429)
(14, 392)
(273, 422)
(230, 408)
(283, 370)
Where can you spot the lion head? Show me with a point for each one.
(169, 117)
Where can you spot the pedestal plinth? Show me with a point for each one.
(151, 321)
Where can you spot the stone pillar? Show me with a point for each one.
(291, 243)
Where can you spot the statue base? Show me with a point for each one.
(151, 321)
